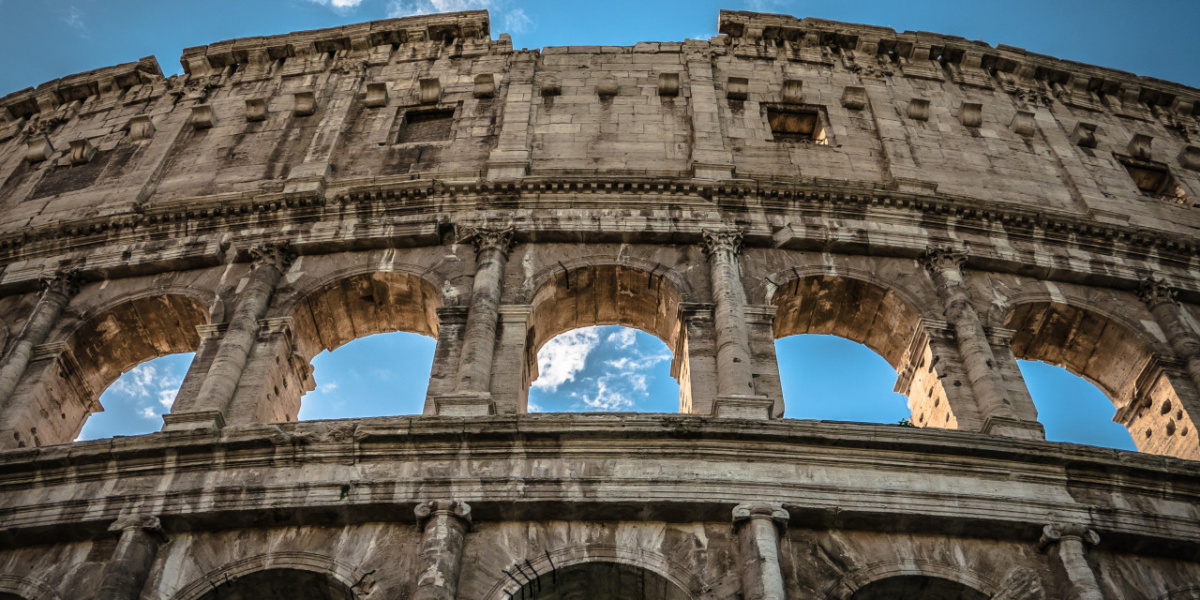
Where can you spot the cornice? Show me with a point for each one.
(1065, 76)
(372, 447)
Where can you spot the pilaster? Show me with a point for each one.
(736, 396)
(1069, 543)
(126, 571)
(758, 527)
(444, 525)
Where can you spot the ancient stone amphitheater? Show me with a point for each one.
(952, 205)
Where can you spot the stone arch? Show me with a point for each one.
(548, 273)
(889, 320)
(64, 381)
(589, 294)
(24, 588)
(689, 585)
(355, 581)
(889, 578)
(326, 314)
(1151, 393)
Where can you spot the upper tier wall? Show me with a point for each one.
(302, 118)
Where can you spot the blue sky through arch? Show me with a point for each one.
(603, 369)
(135, 402)
(378, 375)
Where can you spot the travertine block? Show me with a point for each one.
(256, 109)
(668, 84)
(792, 92)
(377, 95)
(38, 149)
(430, 90)
(203, 116)
(1139, 146)
(141, 128)
(854, 97)
(1084, 135)
(304, 103)
(737, 88)
(485, 86)
(81, 151)
(918, 109)
(1023, 124)
(1190, 158)
(970, 114)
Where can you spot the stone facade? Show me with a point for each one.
(951, 205)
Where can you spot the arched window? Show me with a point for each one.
(369, 341)
(373, 376)
(870, 320)
(572, 316)
(1118, 361)
(604, 368)
(913, 586)
(293, 584)
(602, 581)
(135, 402)
(1073, 409)
(830, 378)
(63, 390)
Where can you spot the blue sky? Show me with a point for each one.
(824, 377)
(46, 39)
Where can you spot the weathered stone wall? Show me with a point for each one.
(953, 206)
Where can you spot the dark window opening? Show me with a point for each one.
(431, 125)
(1156, 181)
(797, 125)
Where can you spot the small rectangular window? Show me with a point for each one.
(798, 124)
(1156, 181)
(429, 125)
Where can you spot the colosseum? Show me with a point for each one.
(952, 205)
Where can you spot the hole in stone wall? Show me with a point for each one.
(428, 125)
(135, 402)
(797, 124)
(1156, 181)
(373, 376)
(830, 378)
(604, 369)
(1072, 409)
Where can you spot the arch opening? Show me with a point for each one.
(135, 402)
(882, 321)
(584, 303)
(375, 311)
(1073, 409)
(373, 376)
(1119, 362)
(815, 368)
(293, 584)
(602, 581)
(604, 368)
(916, 586)
(66, 387)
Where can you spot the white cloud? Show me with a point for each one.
(533, 407)
(623, 337)
(517, 22)
(149, 413)
(137, 382)
(325, 388)
(607, 399)
(167, 397)
(638, 363)
(74, 18)
(408, 8)
(341, 6)
(565, 356)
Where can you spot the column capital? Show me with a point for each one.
(278, 255)
(453, 508)
(1154, 291)
(148, 523)
(486, 238)
(724, 240)
(64, 282)
(1057, 532)
(943, 257)
(774, 512)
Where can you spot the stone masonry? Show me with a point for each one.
(954, 206)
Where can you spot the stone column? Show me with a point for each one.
(445, 524)
(56, 293)
(126, 571)
(452, 320)
(735, 381)
(221, 381)
(1160, 299)
(472, 390)
(999, 415)
(1070, 542)
(758, 527)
